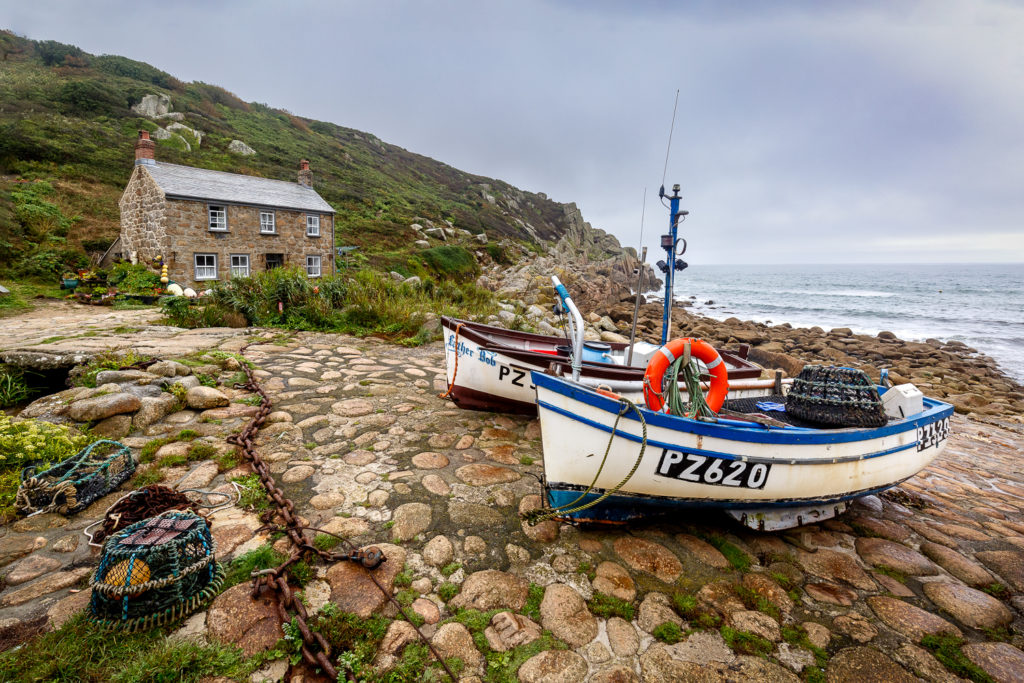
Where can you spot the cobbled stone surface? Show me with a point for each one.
(364, 447)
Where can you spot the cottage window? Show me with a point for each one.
(312, 226)
(206, 266)
(218, 217)
(267, 224)
(239, 265)
(313, 266)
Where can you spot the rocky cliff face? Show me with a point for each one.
(598, 271)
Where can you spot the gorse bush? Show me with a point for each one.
(365, 302)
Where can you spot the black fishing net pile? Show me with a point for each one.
(835, 397)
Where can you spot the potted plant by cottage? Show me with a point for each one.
(68, 281)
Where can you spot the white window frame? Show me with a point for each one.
(238, 270)
(270, 223)
(202, 272)
(312, 225)
(313, 263)
(218, 216)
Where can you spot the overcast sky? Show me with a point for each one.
(807, 132)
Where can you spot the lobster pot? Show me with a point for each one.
(155, 571)
(836, 397)
(75, 483)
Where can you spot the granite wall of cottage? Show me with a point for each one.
(177, 229)
(188, 233)
(142, 217)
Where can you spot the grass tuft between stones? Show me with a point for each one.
(533, 599)
(240, 569)
(745, 643)
(948, 650)
(606, 606)
(797, 637)
(669, 633)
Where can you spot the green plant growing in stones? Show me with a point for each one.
(406, 596)
(686, 605)
(325, 542)
(147, 477)
(745, 643)
(310, 445)
(502, 667)
(301, 572)
(403, 579)
(796, 636)
(1000, 633)
(997, 590)
(206, 380)
(241, 568)
(226, 461)
(756, 601)
(178, 391)
(446, 591)
(607, 606)
(355, 638)
(891, 573)
(13, 387)
(201, 451)
(252, 495)
(669, 633)
(736, 557)
(450, 569)
(534, 596)
(784, 581)
(172, 461)
(813, 674)
(526, 460)
(253, 400)
(106, 361)
(948, 650)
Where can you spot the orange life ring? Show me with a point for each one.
(667, 354)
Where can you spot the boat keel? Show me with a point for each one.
(776, 519)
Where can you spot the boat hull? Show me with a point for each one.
(489, 376)
(728, 464)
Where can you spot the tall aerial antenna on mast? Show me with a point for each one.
(671, 129)
(668, 242)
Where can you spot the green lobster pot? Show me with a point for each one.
(836, 397)
(155, 572)
(75, 483)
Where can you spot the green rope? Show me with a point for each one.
(697, 406)
(535, 517)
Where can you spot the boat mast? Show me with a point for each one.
(671, 263)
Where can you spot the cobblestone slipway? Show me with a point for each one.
(366, 449)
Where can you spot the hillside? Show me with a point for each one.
(70, 118)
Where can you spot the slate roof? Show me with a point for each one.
(187, 182)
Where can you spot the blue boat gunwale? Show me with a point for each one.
(736, 430)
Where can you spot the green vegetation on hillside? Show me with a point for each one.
(66, 150)
(364, 302)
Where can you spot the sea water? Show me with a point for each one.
(981, 305)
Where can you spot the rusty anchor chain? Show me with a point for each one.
(316, 651)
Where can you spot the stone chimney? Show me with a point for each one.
(145, 149)
(305, 175)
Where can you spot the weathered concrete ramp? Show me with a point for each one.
(61, 334)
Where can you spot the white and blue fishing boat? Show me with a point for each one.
(609, 459)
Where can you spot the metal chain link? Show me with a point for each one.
(316, 651)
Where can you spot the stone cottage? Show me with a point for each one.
(211, 225)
